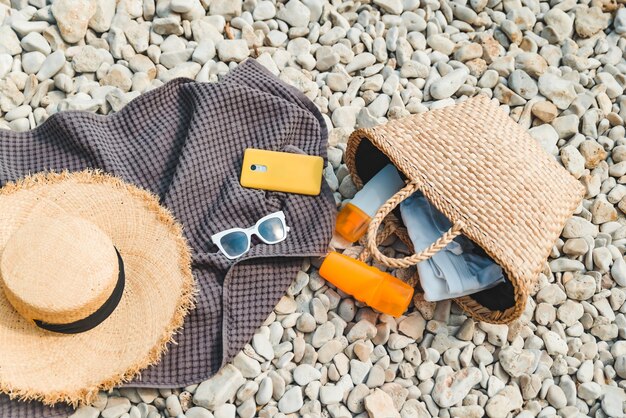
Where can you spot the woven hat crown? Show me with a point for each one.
(58, 270)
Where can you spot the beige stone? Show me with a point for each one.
(545, 110)
(380, 405)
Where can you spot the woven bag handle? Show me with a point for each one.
(383, 211)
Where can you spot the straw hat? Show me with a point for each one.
(96, 278)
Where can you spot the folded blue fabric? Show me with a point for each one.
(462, 268)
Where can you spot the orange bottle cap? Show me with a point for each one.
(378, 289)
(352, 223)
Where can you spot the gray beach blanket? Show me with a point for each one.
(184, 142)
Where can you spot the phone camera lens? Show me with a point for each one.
(253, 167)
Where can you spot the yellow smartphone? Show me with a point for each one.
(282, 171)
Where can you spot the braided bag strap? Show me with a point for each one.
(372, 233)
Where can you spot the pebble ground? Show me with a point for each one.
(557, 67)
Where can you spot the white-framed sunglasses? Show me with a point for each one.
(235, 242)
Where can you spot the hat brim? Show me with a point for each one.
(40, 365)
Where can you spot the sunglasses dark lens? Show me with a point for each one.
(235, 243)
(272, 230)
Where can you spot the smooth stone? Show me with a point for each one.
(323, 334)
(248, 367)
(516, 361)
(20, 125)
(507, 400)
(306, 323)
(227, 410)
(413, 326)
(362, 330)
(573, 161)
(32, 62)
(546, 136)
(295, 14)
(291, 401)
(233, 50)
(566, 264)
(468, 52)
(264, 10)
(559, 25)
(530, 386)
(204, 52)
(72, 18)
(35, 42)
(345, 117)
(522, 84)
(197, 412)
(545, 110)
(358, 371)
(286, 305)
(305, 374)
(566, 126)
(170, 25)
(360, 62)
(551, 294)
(332, 36)
(138, 35)
(86, 412)
(577, 227)
(447, 85)
(561, 92)
(467, 411)
(264, 394)
(554, 343)
(262, 346)
(356, 398)
(376, 377)
(489, 79)
(618, 271)
(118, 76)
(452, 387)
(593, 152)
(589, 391)
(87, 60)
(398, 342)
(52, 65)
(613, 401)
(219, 388)
(19, 112)
(390, 6)
(226, 8)
(570, 312)
(330, 394)
(441, 43)
(580, 287)
(380, 405)
(496, 333)
(115, 407)
(276, 38)
(147, 395)
(103, 17)
(556, 397)
(9, 42)
(619, 23)
(172, 404)
(172, 59)
(466, 331)
(590, 21)
(329, 350)
(181, 6)
(414, 69)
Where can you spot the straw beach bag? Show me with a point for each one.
(492, 180)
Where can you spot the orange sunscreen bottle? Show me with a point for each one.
(354, 217)
(380, 290)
